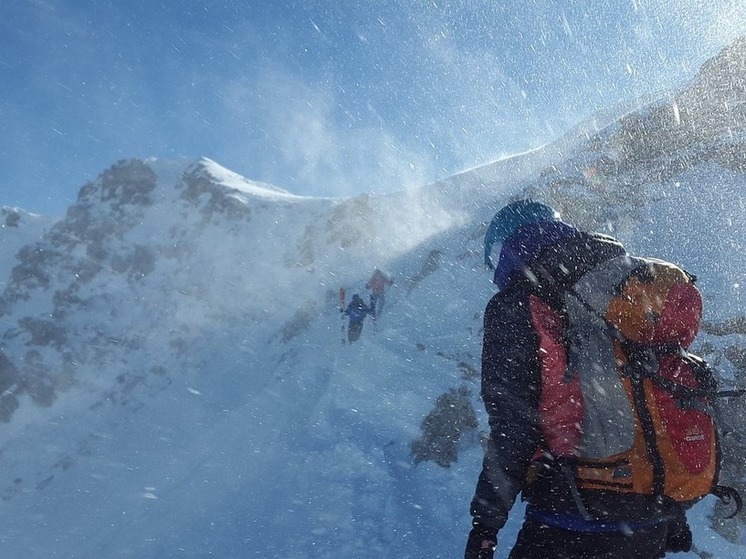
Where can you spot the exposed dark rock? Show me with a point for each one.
(142, 262)
(432, 262)
(44, 332)
(350, 223)
(452, 417)
(128, 183)
(212, 199)
(8, 372)
(12, 217)
(299, 322)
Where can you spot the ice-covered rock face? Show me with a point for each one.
(109, 205)
(154, 253)
(85, 293)
(717, 94)
(605, 181)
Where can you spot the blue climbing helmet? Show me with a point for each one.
(510, 218)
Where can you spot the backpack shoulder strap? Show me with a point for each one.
(558, 267)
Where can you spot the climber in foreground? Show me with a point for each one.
(581, 339)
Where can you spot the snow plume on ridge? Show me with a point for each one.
(155, 254)
(228, 178)
(184, 291)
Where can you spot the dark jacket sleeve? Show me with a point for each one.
(511, 381)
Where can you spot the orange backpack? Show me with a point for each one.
(621, 396)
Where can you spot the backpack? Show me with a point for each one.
(623, 402)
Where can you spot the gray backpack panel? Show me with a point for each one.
(609, 421)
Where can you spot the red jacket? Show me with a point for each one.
(377, 282)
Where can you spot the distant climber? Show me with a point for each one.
(377, 285)
(356, 310)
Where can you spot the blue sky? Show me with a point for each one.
(323, 98)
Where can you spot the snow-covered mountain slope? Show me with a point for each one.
(173, 377)
(186, 320)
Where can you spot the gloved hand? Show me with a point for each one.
(679, 535)
(481, 543)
